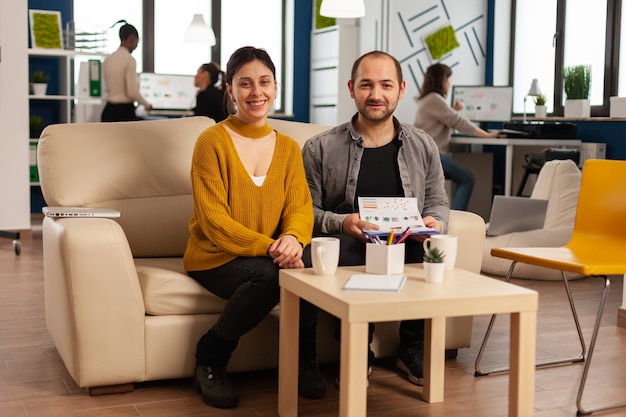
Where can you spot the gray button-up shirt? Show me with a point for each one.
(332, 161)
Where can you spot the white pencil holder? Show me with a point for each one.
(384, 259)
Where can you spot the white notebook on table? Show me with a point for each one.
(372, 282)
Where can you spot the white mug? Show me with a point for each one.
(325, 255)
(447, 244)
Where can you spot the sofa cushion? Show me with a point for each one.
(168, 290)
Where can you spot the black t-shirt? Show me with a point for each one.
(379, 175)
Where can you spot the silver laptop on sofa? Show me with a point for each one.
(516, 214)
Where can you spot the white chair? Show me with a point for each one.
(558, 182)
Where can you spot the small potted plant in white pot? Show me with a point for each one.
(577, 85)
(434, 267)
(39, 83)
(540, 107)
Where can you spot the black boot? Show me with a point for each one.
(215, 387)
(311, 383)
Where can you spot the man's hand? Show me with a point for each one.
(429, 221)
(287, 252)
(353, 226)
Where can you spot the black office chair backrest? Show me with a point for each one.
(559, 153)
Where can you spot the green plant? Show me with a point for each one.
(39, 77)
(434, 255)
(577, 81)
(540, 101)
(36, 125)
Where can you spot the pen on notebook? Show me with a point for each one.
(405, 234)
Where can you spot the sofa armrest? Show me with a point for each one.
(470, 229)
(93, 303)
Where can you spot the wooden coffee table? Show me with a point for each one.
(462, 293)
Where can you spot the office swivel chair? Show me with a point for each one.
(551, 154)
(596, 248)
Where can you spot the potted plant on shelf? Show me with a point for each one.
(434, 267)
(540, 106)
(577, 84)
(39, 83)
(36, 126)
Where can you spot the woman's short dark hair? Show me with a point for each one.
(238, 59)
(435, 75)
(213, 70)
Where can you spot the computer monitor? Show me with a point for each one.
(485, 103)
(168, 91)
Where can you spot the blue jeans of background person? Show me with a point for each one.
(250, 285)
(462, 178)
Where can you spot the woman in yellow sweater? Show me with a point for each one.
(252, 216)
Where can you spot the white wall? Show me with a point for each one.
(400, 26)
(14, 145)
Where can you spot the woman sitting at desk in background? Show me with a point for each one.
(210, 98)
(438, 119)
(252, 216)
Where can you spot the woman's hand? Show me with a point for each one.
(287, 252)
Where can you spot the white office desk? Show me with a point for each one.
(509, 144)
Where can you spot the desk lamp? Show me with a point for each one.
(533, 92)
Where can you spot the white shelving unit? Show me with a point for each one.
(333, 51)
(69, 63)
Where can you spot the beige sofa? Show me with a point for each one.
(119, 306)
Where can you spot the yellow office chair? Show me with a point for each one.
(597, 248)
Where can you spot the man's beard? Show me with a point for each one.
(377, 116)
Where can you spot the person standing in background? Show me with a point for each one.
(119, 71)
(210, 97)
(437, 118)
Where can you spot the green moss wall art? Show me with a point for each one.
(45, 29)
(441, 42)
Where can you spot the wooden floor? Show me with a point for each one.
(34, 382)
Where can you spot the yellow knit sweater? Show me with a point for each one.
(233, 216)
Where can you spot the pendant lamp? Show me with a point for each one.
(199, 32)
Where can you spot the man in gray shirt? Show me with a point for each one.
(374, 155)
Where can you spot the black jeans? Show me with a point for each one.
(251, 287)
(118, 112)
(352, 252)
